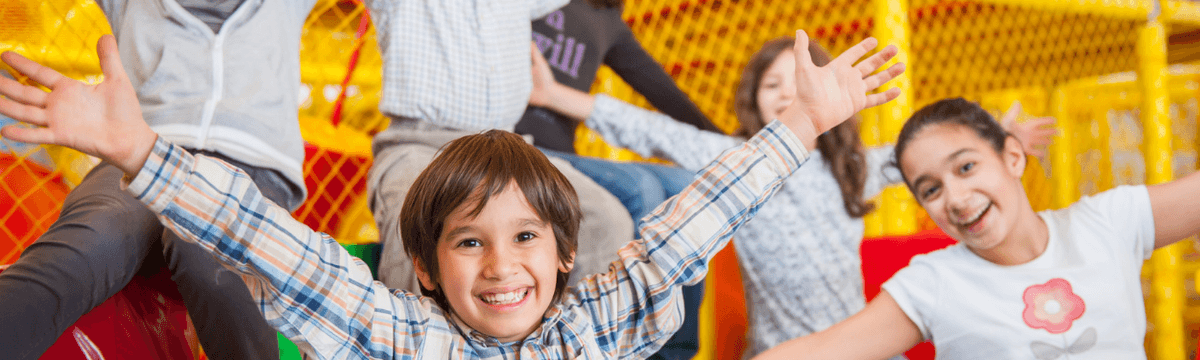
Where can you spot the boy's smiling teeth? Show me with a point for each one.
(511, 297)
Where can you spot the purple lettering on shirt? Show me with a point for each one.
(579, 48)
(555, 20)
(571, 51)
(564, 57)
(568, 49)
(557, 50)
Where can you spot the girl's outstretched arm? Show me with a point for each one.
(879, 331)
(1174, 206)
(838, 90)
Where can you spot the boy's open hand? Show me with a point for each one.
(829, 95)
(104, 120)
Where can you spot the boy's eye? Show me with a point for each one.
(470, 243)
(525, 236)
(967, 167)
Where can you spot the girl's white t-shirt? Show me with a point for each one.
(1080, 299)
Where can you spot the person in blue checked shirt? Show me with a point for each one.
(492, 221)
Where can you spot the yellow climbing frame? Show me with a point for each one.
(1099, 66)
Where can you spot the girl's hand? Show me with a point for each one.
(827, 96)
(1035, 135)
(550, 94)
(543, 79)
(104, 120)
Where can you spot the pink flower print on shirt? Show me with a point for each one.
(1052, 306)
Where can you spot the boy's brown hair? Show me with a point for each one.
(471, 170)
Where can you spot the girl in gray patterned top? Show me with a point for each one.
(799, 258)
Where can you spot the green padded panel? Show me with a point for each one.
(369, 253)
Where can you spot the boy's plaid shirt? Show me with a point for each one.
(325, 300)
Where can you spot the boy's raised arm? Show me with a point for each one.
(829, 95)
(681, 236)
(311, 289)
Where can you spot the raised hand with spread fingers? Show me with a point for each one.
(1035, 135)
(838, 90)
(104, 120)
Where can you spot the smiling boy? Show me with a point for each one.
(491, 222)
(501, 222)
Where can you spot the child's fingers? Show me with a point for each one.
(856, 52)
(1041, 127)
(23, 113)
(1044, 136)
(539, 61)
(1011, 114)
(800, 49)
(28, 135)
(110, 59)
(28, 95)
(875, 81)
(881, 98)
(1042, 122)
(872, 63)
(40, 74)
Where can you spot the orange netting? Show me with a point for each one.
(36, 179)
(62, 35)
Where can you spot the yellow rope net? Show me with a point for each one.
(1099, 66)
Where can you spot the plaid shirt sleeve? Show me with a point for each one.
(637, 305)
(308, 286)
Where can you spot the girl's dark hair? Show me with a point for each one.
(841, 146)
(605, 4)
(955, 111)
(468, 172)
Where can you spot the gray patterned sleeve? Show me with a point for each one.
(650, 133)
(880, 172)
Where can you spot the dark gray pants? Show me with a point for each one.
(100, 241)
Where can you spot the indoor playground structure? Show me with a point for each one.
(1122, 77)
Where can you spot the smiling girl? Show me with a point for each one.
(800, 260)
(1020, 284)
